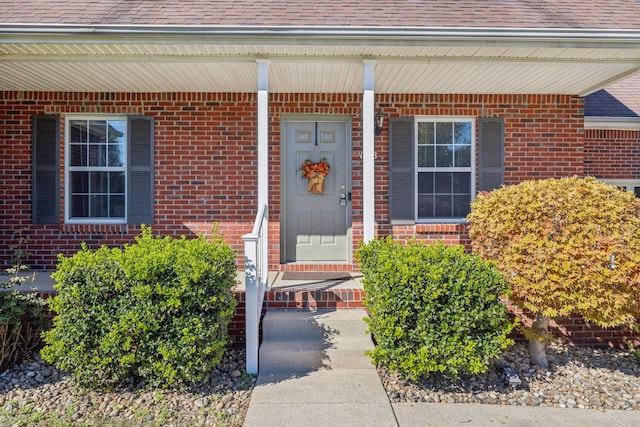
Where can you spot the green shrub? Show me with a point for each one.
(156, 311)
(433, 308)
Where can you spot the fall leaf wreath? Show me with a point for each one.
(315, 172)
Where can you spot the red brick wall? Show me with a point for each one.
(576, 330)
(612, 154)
(204, 154)
(205, 163)
(205, 158)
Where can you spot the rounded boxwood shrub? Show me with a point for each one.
(433, 308)
(155, 311)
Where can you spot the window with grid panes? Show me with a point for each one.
(96, 176)
(445, 168)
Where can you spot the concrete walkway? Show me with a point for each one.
(313, 372)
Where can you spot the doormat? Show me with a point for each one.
(316, 275)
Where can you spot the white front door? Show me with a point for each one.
(316, 225)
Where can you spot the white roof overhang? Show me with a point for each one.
(313, 59)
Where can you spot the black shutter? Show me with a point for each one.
(140, 170)
(401, 170)
(491, 154)
(45, 188)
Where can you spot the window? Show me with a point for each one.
(445, 167)
(96, 178)
(632, 185)
(108, 169)
(432, 166)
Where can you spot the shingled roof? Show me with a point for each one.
(561, 14)
(620, 100)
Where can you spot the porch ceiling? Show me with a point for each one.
(416, 64)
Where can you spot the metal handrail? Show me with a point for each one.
(256, 277)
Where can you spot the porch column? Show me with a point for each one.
(263, 131)
(257, 243)
(368, 156)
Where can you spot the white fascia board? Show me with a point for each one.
(612, 123)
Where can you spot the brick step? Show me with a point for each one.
(315, 267)
(313, 299)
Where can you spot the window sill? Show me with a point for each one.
(460, 227)
(95, 228)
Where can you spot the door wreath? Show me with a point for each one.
(315, 173)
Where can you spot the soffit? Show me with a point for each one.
(198, 65)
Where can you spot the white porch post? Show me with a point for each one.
(263, 131)
(257, 258)
(368, 156)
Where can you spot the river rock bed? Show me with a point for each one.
(578, 377)
(36, 393)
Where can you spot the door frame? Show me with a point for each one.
(348, 121)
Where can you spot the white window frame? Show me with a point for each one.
(471, 169)
(68, 169)
(627, 184)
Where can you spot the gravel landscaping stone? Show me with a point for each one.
(36, 393)
(578, 377)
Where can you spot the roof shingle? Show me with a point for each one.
(559, 14)
(618, 100)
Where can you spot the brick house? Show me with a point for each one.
(182, 115)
